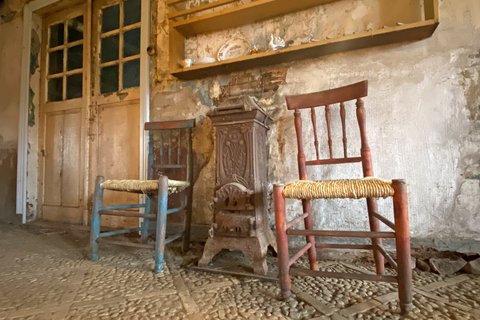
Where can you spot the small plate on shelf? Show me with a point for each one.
(233, 48)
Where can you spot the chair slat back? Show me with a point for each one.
(328, 100)
(170, 154)
(170, 150)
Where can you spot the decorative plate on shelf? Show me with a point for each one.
(233, 48)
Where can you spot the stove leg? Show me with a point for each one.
(211, 250)
(256, 251)
(260, 265)
(271, 241)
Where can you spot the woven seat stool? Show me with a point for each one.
(163, 188)
(367, 187)
(161, 198)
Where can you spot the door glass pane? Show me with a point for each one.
(75, 57)
(56, 35)
(109, 49)
(109, 79)
(132, 10)
(111, 18)
(131, 74)
(74, 86)
(131, 42)
(55, 62)
(75, 29)
(55, 89)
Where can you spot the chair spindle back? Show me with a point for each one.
(327, 99)
(170, 151)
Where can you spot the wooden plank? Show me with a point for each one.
(343, 246)
(241, 15)
(341, 275)
(408, 32)
(342, 234)
(234, 273)
(359, 308)
(356, 268)
(321, 307)
(127, 244)
(431, 9)
(176, 50)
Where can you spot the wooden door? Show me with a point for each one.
(62, 112)
(115, 111)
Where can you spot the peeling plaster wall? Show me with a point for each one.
(423, 111)
(33, 120)
(10, 47)
(10, 64)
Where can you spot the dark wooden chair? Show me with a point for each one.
(170, 155)
(369, 188)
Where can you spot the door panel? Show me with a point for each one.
(53, 159)
(62, 110)
(62, 179)
(71, 159)
(115, 145)
(89, 70)
(117, 156)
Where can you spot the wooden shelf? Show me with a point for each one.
(414, 31)
(265, 9)
(241, 15)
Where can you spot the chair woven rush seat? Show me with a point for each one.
(339, 189)
(143, 186)
(367, 187)
(170, 154)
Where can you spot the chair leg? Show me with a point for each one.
(95, 222)
(308, 221)
(282, 241)
(162, 205)
(376, 242)
(402, 239)
(188, 220)
(146, 221)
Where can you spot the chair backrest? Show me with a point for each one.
(327, 100)
(170, 149)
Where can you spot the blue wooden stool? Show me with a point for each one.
(170, 154)
(163, 187)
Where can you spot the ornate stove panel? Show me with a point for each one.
(240, 216)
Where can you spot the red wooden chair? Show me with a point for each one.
(368, 187)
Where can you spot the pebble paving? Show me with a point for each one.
(45, 274)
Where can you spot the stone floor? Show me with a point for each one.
(44, 274)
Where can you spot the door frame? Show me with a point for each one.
(29, 10)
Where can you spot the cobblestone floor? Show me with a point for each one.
(44, 274)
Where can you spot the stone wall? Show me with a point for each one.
(423, 110)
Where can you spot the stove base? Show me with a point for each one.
(254, 248)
